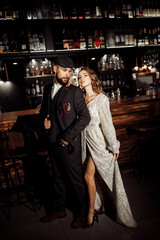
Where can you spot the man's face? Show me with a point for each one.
(62, 74)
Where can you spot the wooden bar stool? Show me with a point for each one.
(144, 153)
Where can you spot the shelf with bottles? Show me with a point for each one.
(39, 68)
(39, 72)
(79, 38)
(90, 9)
(22, 39)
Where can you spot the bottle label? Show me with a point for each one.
(97, 43)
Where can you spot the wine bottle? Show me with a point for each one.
(96, 39)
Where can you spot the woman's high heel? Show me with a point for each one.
(95, 218)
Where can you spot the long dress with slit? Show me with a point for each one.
(99, 138)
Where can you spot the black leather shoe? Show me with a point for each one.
(78, 221)
(52, 216)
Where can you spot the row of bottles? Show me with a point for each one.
(98, 9)
(38, 67)
(20, 42)
(148, 36)
(73, 40)
(117, 94)
(111, 62)
(35, 88)
(112, 80)
(148, 62)
(24, 41)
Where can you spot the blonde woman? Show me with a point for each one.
(100, 151)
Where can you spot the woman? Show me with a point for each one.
(100, 150)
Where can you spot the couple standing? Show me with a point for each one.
(80, 129)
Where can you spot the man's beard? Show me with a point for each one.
(59, 80)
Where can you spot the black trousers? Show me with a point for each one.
(68, 178)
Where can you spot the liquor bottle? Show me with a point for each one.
(96, 39)
(155, 36)
(140, 38)
(71, 40)
(30, 40)
(28, 91)
(117, 12)
(76, 39)
(111, 12)
(111, 63)
(124, 11)
(65, 39)
(56, 12)
(33, 89)
(151, 39)
(107, 80)
(87, 13)
(158, 34)
(32, 70)
(1, 44)
(80, 13)
(37, 87)
(82, 41)
(101, 38)
(117, 39)
(130, 11)
(13, 44)
(41, 87)
(90, 41)
(74, 14)
(23, 41)
(1, 14)
(146, 38)
(112, 80)
(42, 42)
(36, 44)
(50, 67)
(118, 94)
(5, 41)
(98, 10)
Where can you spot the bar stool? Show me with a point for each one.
(13, 186)
(145, 148)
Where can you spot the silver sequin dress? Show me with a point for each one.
(100, 138)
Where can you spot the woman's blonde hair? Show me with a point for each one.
(95, 82)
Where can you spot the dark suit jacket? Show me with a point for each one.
(71, 111)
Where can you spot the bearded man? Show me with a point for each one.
(65, 115)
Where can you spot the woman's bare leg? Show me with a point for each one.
(90, 180)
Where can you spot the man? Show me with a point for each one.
(65, 115)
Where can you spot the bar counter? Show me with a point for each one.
(125, 113)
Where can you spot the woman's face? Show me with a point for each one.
(84, 79)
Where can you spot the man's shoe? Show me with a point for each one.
(78, 221)
(52, 216)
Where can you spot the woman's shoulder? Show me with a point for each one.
(103, 98)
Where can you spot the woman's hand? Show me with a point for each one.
(47, 123)
(116, 155)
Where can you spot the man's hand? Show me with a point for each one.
(63, 142)
(47, 123)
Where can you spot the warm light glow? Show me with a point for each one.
(150, 67)
(145, 67)
(136, 68)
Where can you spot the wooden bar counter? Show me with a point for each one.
(125, 113)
